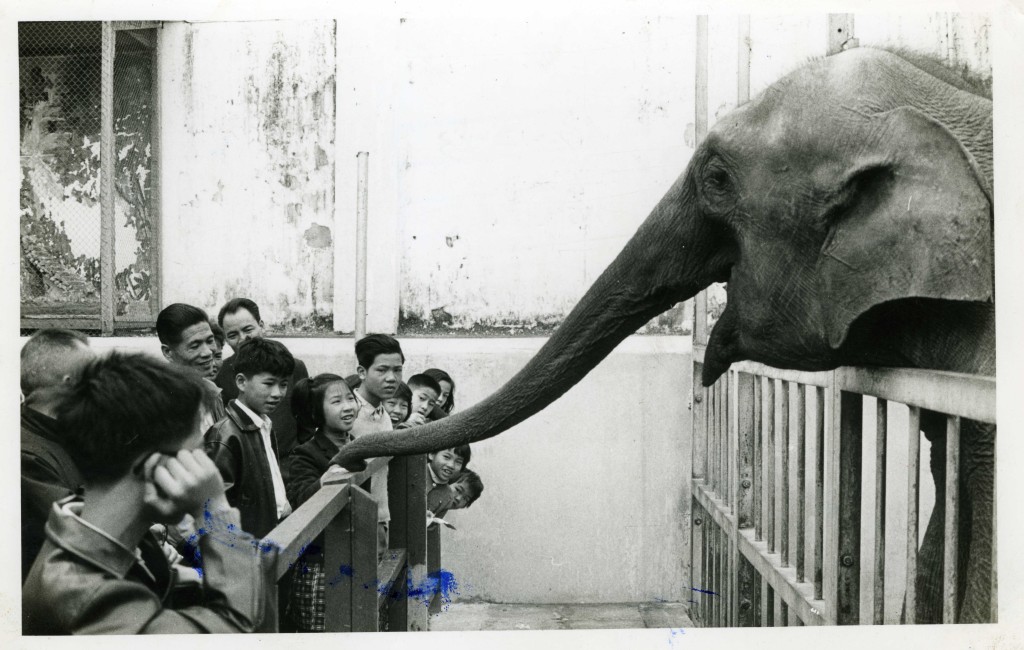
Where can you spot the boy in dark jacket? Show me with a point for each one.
(131, 423)
(243, 444)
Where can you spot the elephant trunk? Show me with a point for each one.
(669, 259)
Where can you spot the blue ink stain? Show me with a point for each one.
(703, 591)
(440, 583)
(343, 571)
(673, 634)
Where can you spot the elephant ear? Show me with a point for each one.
(914, 221)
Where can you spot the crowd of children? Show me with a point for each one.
(118, 447)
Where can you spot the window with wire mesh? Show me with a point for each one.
(60, 93)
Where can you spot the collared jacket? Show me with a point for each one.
(309, 461)
(285, 427)
(84, 582)
(47, 474)
(236, 446)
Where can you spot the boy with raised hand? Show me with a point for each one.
(243, 444)
(132, 424)
(424, 391)
(241, 321)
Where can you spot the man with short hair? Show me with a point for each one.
(132, 421)
(186, 340)
(49, 361)
(240, 319)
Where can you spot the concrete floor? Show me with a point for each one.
(465, 617)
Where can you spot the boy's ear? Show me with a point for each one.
(361, 371)
(240, 380)
(167, 351)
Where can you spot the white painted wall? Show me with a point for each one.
(247, 132)
(584, 502)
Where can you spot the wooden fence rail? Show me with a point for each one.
(362, 594)
(777, 477)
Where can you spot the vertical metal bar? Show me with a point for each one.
(107, 147)
(713, 438)
(819, 489)
(848, 502)
(952, 520)
(913, 500)
(700, 113)
(798, 493)
(732, 414)
(362, 199)
(768, 420)
(782, 480)
(723, 440)
(743, 62)
(881, 428)
(768, 605)
(778, 611)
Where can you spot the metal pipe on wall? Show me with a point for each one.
(362, 175)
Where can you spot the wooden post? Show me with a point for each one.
(847, 501)
(350, 566)
(782, 477)
(407, 491)
(107, 148)
(768, 451)
(819, 490)
(881, 426)
(952, 520)
(434, 563)
(797, 493)
(913, 500)
(362, 191)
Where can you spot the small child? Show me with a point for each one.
(398, 406)
(461, 493)
(425, 390)
(444, 465)
(243, 445)
(446, 398)
(328, 404)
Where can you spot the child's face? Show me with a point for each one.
(397, 408)
(445, 464)
(262, 392)
(460, 495)
(446, 390)
(340, 407)
(381, 379)
(218, 359)
(423, 400)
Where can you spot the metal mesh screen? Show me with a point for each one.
(60, 92)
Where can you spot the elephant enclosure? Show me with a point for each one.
(799, 514)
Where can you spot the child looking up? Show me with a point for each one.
(398, 406)
(243, 444)
(132, 423)
(424, 391)
(328, 403)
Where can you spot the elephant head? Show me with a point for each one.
(849, 209)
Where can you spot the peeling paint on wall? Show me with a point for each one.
(249, 118)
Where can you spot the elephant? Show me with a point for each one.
(849, 208)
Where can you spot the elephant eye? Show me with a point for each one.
(717, 186)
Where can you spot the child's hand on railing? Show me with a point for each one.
(335, 474)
